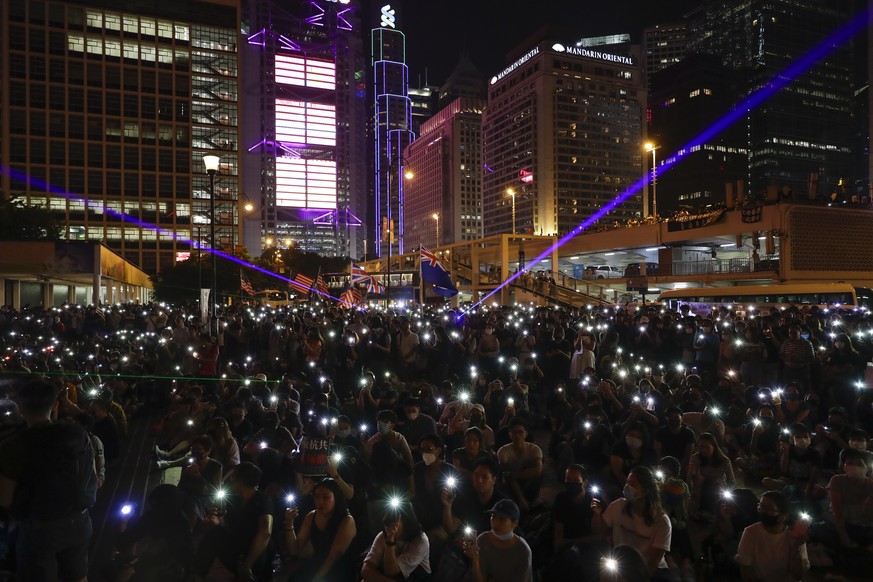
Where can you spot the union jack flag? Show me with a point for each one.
(359, 275)
(431, 258)
(374, 286)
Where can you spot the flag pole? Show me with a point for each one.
(420, 282)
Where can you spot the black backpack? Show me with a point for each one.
(59, 478)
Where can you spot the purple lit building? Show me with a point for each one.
(303, 77)
(392, 130)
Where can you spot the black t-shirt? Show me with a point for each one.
(800, 465)
(472, 513)
(106, 430)
(241, 522)
(673, 445)
(574, 515)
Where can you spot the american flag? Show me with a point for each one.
(245, 284)
(302, 283)
(352, 297)
(320, 285)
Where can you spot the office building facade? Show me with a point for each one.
(116, 108)
(800, 140)
(444, 201)
(563, 132)
(305, 179)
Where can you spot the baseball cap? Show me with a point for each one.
(506, 508)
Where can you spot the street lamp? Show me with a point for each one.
(396, 165)
(650, 147)
(511, 193)
(436, 216)
(211, 162)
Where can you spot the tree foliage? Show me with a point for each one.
(18, 221)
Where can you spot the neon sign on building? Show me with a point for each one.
(305, 125)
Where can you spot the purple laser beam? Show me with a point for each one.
(777, 83)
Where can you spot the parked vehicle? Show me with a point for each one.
(603, 272)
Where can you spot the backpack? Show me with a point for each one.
(59, 478)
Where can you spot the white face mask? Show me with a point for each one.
(633, 443)
(801, 443)
(858, 445)
(504, 537)
(428, 458)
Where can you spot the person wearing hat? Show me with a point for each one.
(500, 554)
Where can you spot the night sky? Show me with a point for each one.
(438, 30)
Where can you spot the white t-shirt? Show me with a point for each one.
(409, 554)
(632, 530)
(767, 553)
(532, 453)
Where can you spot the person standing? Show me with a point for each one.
(48, 483)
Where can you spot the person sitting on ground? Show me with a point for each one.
(522, 465)
(637, 519)
(799, 468)
(329, 529)
(465, 458)
(238, 542)
(499, 554)
(400, 551)
(769, 551)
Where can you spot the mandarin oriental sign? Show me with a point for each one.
(525, 58)
(599, 55)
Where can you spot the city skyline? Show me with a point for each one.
(459, 26)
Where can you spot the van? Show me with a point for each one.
(602, 272)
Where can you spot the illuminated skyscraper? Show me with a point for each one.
(392, 130)
(444, 201)
(304, 120)
(118, 103)
(663, 45)
(799, 141)
(563, 132)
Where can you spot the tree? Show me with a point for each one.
(18, 221)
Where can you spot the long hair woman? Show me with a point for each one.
(329, 530)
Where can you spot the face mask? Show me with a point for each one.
(475, 419)
(801, 443)
(629, 493)
(383, 427)
(504, 537)
(792, 397)
(343, 434)
(633, 443)
(674, 423)
(855, 471)
(768, 520)
(858, 445)
(573, 489)
(428, 458)
(198, 455)
(412, 416)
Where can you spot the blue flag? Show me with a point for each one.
(433, 271)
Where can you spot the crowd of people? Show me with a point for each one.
(501, 444)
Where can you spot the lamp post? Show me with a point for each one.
(394, 168)
(211, 162)
(511, 193)
(650, 147)
(436, 216)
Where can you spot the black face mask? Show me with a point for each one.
(674, 423)
(573, 489)
(768, 520)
